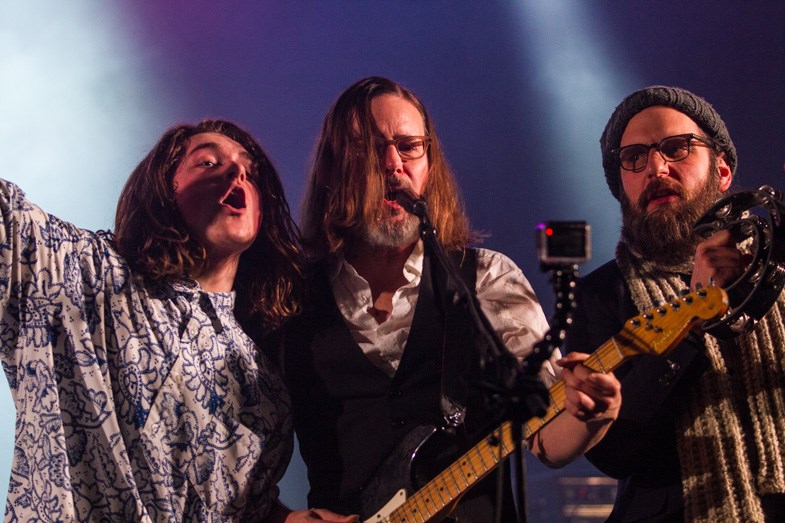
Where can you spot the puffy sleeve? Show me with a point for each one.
(50, 271)
(508, 300)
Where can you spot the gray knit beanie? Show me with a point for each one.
(680, 99)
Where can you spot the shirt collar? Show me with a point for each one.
(412, 268)
(223, 301)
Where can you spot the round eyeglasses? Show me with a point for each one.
(408, 147)
(671, 149)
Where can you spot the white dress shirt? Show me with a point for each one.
(505, 296)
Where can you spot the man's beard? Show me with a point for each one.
(664, 235)
(386, 233)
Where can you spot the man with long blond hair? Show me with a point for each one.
(364, 360)
(139, 397)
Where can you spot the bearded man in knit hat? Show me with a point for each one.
(701, 433)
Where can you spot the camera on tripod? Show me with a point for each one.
(563, 243)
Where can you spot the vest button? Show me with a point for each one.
(398, 423)
(395, 393)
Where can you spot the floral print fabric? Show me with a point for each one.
(135, 401)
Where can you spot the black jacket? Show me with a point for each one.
(640, 447)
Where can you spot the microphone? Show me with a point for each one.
(411, 203)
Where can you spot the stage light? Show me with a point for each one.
(567, 46)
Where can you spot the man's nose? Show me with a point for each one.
(391, 159)
(656, 165)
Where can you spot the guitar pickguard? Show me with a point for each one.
(396, 474)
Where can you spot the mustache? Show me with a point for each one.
(657, 188)
(399, 184)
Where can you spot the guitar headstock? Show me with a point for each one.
(658, 330)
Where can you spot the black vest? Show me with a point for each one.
(348, 414)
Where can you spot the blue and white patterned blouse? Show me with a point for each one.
(134, 402)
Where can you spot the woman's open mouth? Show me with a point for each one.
(235, 199)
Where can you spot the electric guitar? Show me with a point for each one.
(654, 332)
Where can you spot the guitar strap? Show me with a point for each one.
(459, 336)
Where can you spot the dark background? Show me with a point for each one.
(519, 91)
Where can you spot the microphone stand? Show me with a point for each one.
(517, 386)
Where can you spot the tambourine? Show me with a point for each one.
(756, 215)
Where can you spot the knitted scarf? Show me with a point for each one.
(725, 466)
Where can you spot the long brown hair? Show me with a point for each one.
(346, 184)
(151, 234)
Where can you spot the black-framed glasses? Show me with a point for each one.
(408, 147)
(671, 149)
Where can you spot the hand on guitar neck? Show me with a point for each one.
(593, 399)
(590, 395)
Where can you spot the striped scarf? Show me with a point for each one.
(725, 468)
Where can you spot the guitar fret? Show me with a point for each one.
(428, 493)
(445, 496)
(446, 479)
(495, 450)
(473, 473)
(504, 448)
(492, 451)
(423, 503)
(615, 344)
(415, 515)
(452, 475)
(476, 461)
(420, 501)
(611, 355)
(506, 437)
(552, 407)
(436, 502)
(400, 515)
(599, 363)
(478, 452)
(461, 473)
(438, 489)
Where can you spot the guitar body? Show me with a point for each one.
(415, 460)
(403, 472)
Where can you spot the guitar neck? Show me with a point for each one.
(485, 456)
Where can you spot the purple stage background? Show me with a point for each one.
(520, 92)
